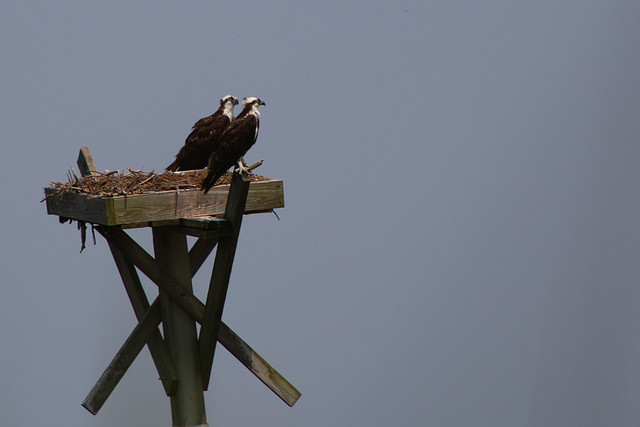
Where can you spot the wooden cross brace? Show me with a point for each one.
(171, 271)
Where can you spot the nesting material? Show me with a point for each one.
(137, 182)
(137, 198)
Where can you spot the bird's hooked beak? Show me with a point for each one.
(252, 100)
(235, 101)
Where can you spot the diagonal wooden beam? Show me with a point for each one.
(199, 253)
(140, 303)
(123, 359)
(247, 356)
(221, 273)
(257, 365)
(155, 271)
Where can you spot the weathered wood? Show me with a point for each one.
(85, 163)
(159, 352)
(139, 301)
(141, 259)
(157, 348)
(161, 205)
(205, 227)
(258, 366)
(220, 276)
(199, 253)
(155, 271)
(76, 205)
(178, 303)
(187, 403)
(123, 359)
(190, 226)
(256, 165)
(79, 206)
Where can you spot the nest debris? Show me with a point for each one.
(116, 183)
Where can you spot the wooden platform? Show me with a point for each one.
(175, 207)
(137, 210)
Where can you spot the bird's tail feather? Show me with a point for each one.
(210, 180)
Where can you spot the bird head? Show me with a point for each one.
(253, 101)
(229, 99)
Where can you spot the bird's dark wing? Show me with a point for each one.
(232, 145)
(198, 146)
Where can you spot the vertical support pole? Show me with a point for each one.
(236, 202)
(187, 403)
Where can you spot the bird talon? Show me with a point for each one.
(243, 169)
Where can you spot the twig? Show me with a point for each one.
(256, 165)
(146, 180)
(82, 226)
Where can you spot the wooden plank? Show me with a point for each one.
(206, 227)
(157, 348)
(141, 259)
(187, 403)
(161, 205)
(85, 163)
(123, 359)
(79, 206)
(192, 203)
(258, 366)
(219, 282)
(206, 224)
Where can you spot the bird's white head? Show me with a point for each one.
(254, 103)
(227, 103)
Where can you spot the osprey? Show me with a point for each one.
(203, 137)
(234, 142)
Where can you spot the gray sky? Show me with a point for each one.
(460, 240)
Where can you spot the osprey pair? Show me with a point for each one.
(220, 141)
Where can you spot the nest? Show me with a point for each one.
(116, 183)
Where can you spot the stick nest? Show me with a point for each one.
(116, 183)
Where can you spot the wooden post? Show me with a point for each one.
(85, 162)
(187, 403)
(221, 274)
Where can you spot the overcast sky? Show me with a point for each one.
(460, 242)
